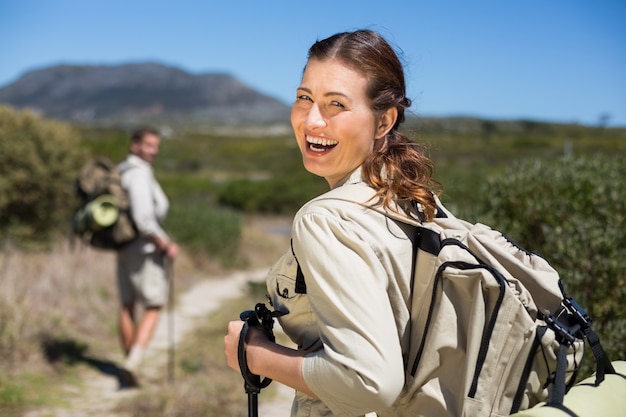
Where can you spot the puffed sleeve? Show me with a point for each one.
(360, 368)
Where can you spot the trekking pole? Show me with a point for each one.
(169, 270)
(262, 319)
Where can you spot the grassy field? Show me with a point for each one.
(248, 171)
(66, 297)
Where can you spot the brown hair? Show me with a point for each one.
(137, 135)
(398, 170)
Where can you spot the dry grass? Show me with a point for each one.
(61, 304)
(205, 385)
(63, 298)
(52, 292)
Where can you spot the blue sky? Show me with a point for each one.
(552, 60)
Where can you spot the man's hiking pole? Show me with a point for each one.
(169, 270)
(262, 319)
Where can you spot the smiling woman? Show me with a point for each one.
(349, 320)
(333, 122)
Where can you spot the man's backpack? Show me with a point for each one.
(492, 330)
(103, 219)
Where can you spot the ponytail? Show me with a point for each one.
(400, 170)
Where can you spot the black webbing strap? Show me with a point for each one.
(578, 326)
(603, 363)
(300, 282)
(429, 241)
(557, 393)
(262, 319)
(584, 331)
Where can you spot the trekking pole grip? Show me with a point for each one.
(262, 319)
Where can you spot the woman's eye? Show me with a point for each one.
(303, 97)
(337, 104)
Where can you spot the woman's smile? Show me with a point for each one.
(320, 145)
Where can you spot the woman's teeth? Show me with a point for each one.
(318, 144)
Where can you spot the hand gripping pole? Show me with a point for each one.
(262, 319)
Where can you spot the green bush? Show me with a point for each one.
(571, 211)
(282, 195)
(203, 229)
(39, 159)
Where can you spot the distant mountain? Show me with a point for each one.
(141, 93)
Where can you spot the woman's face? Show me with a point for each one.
(334, 126)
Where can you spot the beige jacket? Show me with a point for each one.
(354, 319)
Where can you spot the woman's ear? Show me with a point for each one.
(386, 121)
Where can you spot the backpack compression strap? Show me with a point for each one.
(578, 328)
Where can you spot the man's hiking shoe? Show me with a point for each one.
(128, 379)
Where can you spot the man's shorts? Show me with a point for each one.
(142, 277)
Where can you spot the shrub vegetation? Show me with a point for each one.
(572, 211)
(39, 159)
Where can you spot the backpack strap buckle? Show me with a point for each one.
(562, 331)
(579, 313)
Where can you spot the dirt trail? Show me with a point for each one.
(100, 392)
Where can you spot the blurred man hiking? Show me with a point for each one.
(141, 271)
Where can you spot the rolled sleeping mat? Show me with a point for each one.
(103, 211)
(98, 214)
(585, 399)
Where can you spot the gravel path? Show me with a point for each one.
(203, 299)
(99, 393)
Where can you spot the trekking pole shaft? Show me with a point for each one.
(253, 405)
(170, 317)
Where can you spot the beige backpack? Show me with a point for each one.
(103, 219)
(492, 330)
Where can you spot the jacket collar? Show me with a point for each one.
(355, 177)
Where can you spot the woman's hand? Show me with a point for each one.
(231, 344)
(266, 358)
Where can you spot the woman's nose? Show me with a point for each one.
(314, 117)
